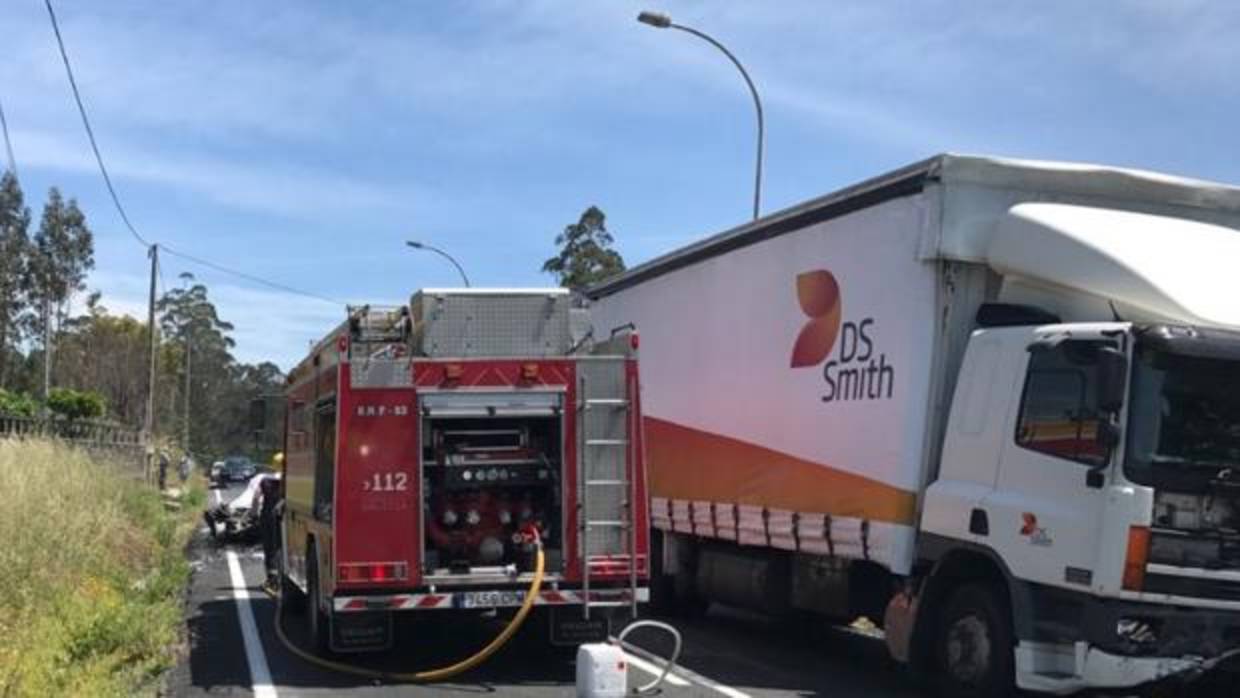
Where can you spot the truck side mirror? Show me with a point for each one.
(1108, 435)
(1112, 379)
(258, 414)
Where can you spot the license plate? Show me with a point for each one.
(491, 599)
(569, 627)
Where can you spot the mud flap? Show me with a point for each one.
(362, 631)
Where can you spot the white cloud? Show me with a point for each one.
(282, 190)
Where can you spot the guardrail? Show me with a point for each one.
(83, 432)
(121, 446)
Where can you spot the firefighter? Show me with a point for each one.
(270, 512)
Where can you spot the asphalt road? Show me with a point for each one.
(727, 653)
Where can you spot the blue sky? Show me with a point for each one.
(303, 141)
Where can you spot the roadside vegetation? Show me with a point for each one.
(92, 574)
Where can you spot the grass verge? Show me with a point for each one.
(92, 574)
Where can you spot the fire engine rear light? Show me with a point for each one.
(1137, 556)
(362, 572)
(634, 342)
(529, 372)
(452, 372)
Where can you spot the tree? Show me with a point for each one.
(63, 252)
(76, 404)
(220, 387)
(14, 250)
(106, 353)
(585, 255)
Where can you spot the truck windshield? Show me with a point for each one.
(1184, 424)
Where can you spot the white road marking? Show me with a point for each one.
(653, 670)
(260, 675)
(679, 673)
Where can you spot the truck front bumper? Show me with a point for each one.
(1126, 644)
(1135, 629)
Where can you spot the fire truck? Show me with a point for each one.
(424, 443)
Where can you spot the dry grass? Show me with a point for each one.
(91, 575)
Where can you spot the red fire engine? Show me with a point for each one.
(425, 443)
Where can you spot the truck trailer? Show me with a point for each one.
(427, 445)
(991, 405)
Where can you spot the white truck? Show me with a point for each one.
(992, 405)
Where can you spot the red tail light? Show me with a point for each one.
(529, 372)
(378, 572)
(634, 342)
(1138, 554)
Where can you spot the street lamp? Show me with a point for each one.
(662, 21)
(423, 246)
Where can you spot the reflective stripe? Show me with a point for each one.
(547, 597)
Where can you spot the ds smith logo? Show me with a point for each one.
(855, 373)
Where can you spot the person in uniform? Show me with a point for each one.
(271, 510)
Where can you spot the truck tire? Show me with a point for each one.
(318, 622)
(973, 648)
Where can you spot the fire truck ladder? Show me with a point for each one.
(605, 485)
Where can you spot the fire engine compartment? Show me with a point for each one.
(486, 480)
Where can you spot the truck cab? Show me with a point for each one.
(1091, 468)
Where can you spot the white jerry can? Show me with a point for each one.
(602, 671)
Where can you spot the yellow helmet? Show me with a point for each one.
(278, 458)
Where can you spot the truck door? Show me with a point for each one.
(1044, 517)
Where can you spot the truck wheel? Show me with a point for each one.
(974, 647)
(317, 618)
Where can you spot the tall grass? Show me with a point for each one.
(91, 575)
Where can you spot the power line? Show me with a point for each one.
(249, 277)
(8, 145)
(77, 97)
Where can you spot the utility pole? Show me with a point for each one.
(185, 438)
(47, 353)
(148, 427)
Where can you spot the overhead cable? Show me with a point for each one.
(250, 277)
(90, 134)
(77, 97)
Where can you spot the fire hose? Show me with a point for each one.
(670, 662)
(429, 675)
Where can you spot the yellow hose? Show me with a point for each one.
(441, 673)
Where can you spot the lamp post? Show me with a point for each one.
(662, 21)
(423, 246)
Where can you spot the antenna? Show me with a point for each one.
(1114, 313)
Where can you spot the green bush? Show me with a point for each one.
(17, 404)
(76, 404)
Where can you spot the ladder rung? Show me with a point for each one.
(606, 524)
(607, 604)
(614, 483)
(607, 442)
(606, 401)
